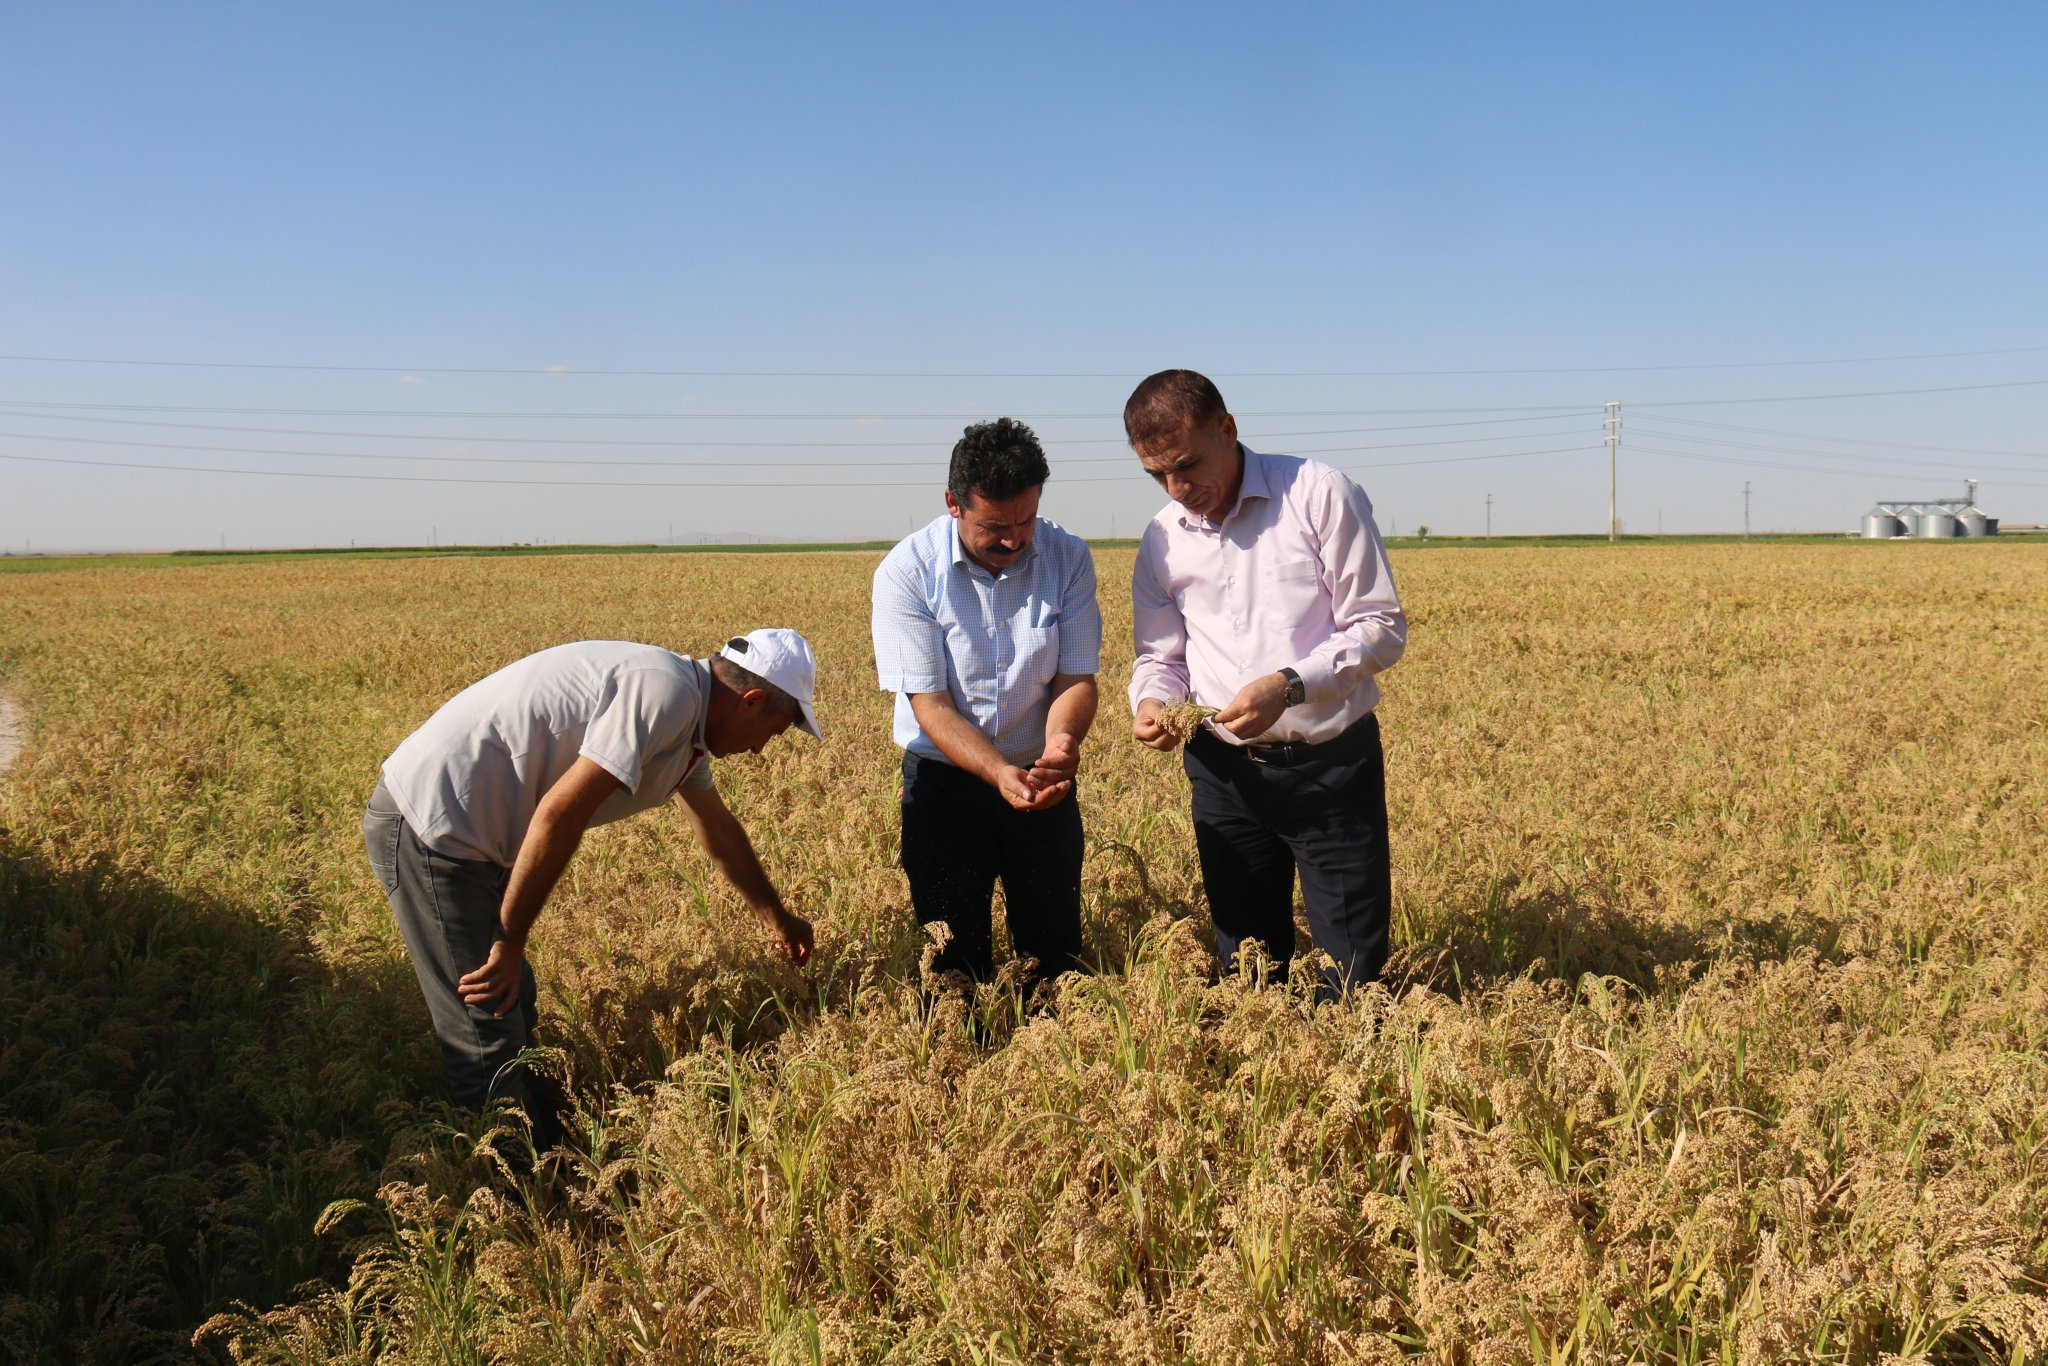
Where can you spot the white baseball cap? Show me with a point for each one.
(783, 658)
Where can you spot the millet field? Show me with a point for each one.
(1715, 1028)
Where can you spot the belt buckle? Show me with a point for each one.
(1277, 752)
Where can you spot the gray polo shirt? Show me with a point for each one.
(470, 779)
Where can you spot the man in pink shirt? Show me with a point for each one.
(1263, 590)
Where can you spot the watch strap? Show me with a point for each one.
(1297, 691)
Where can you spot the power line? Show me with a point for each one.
(1814, 398)
(930, 461)
(1810, 469)
(663, 484)
(669, 442)
(1838, 455)
(559, 370)
(609, 415)
(1851, 440)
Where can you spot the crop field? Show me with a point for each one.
(1715, 1029)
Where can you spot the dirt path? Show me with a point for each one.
(10, 733)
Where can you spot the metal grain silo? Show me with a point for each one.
(1971, 522)
(1937, 524)
(1878, 526)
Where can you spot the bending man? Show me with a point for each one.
(480, 809)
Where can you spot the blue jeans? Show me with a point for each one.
(447, 911)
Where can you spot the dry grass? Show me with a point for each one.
(1715, 1033)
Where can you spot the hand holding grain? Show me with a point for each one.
(1164, 727)
(1060, 762)
(793, 935)
(1018, 790)
(1150, 726)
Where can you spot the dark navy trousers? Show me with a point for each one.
(1264, 815)
(959, 836)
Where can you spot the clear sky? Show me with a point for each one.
(900, 219)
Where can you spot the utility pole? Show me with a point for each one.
(1489, 516)
(1745, 509)
(1613, 427)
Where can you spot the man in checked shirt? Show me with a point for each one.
(986, 629)
(1263, 590)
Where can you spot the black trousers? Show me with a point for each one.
(1320, 810)
(959, 836)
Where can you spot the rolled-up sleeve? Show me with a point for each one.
(910, 644)
(1371, 631)
(1159, 633)
(1080, 618)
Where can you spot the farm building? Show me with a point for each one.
(1932, 518)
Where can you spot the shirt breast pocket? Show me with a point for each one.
(1294, 571)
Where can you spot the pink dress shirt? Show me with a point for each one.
(1294, 575)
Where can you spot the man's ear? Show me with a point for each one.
(753, 699)
(952, 504)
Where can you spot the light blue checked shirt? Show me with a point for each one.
(943, 623)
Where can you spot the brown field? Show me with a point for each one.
(1714, 1033)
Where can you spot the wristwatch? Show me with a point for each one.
(1297, 691)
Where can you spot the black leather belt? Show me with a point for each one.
(1281, 751)
(1284, 753)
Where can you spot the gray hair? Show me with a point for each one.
(742, 679)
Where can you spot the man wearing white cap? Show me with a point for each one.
(480, 809)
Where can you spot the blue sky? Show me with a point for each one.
(990, 213)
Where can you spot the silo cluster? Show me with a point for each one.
(1887, 520)
(1930, 519)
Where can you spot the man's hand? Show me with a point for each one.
(495, 985)
(1059, 763)
(723, 837)
(792, 934)
(1145, 725)
(1017, 789)
(1255, 708)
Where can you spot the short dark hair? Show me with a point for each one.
(740, 679)
(1169, 403)
(997, 460)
